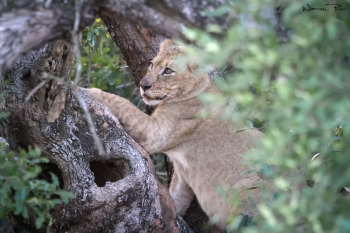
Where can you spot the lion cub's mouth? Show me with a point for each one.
(147, 98)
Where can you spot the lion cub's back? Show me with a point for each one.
(215, 151)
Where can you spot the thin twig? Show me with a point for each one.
(89, 73)
(88, 118)
(35, 90)
(77, 79)
(78, 56)
(58, 80)
(161, 173)
(4, 3)
(313, 157)
(77, 16)
(124, 85)
(75, 92)
(48, 3)
(48, 76)
(76, 43)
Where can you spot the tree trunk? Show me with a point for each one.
(117, 192)
(139, 46)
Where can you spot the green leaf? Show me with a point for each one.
(117, 81)
(106, 50)
(50, 222)
(23, 195)
(15, 182)
(250, 221)
(266, 170)
(103, 34)
(100, 46)
(94, 29)
(111, 79)
(89, 35)
(5, 190)
(84, 60)
(55, 180)
(19, 208)
(243, 222)
(251, 201)
(99, 81)
(32, 173)
(346, 224)
(65, 196)
(25, 212)
(92, 41)
(4, 114)
(94, 57)
(39, 221)
(238, 221)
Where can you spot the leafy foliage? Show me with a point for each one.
(109, 71)
(21, 191)
(298, 67)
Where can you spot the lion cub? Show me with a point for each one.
(206, 153)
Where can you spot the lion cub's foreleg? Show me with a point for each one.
(148, 131)
(181, 193)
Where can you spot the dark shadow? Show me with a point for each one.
(6, 227)
(105, 171)
(47, 169)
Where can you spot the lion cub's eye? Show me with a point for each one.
(168, 71)
(150, 65)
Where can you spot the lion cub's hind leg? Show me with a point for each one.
(181, 193)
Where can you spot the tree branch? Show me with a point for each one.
(26, 29)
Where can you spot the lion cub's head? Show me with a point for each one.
(165, 81)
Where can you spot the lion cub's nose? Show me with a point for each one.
(144, 88)
(145, 85)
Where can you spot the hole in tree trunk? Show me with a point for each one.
(105, 171)
(53, 168)
(26, 74)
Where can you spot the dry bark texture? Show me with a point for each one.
(139, 45)
(117, 192)
(31, 27)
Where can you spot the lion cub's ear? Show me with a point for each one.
(166, 44)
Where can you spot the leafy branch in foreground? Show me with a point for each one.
(300, 73)
(22, 192)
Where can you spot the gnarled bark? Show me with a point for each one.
(25, 29)
(126, 196)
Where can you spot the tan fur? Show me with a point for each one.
(206, 152)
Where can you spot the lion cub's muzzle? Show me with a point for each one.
(149, 98)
